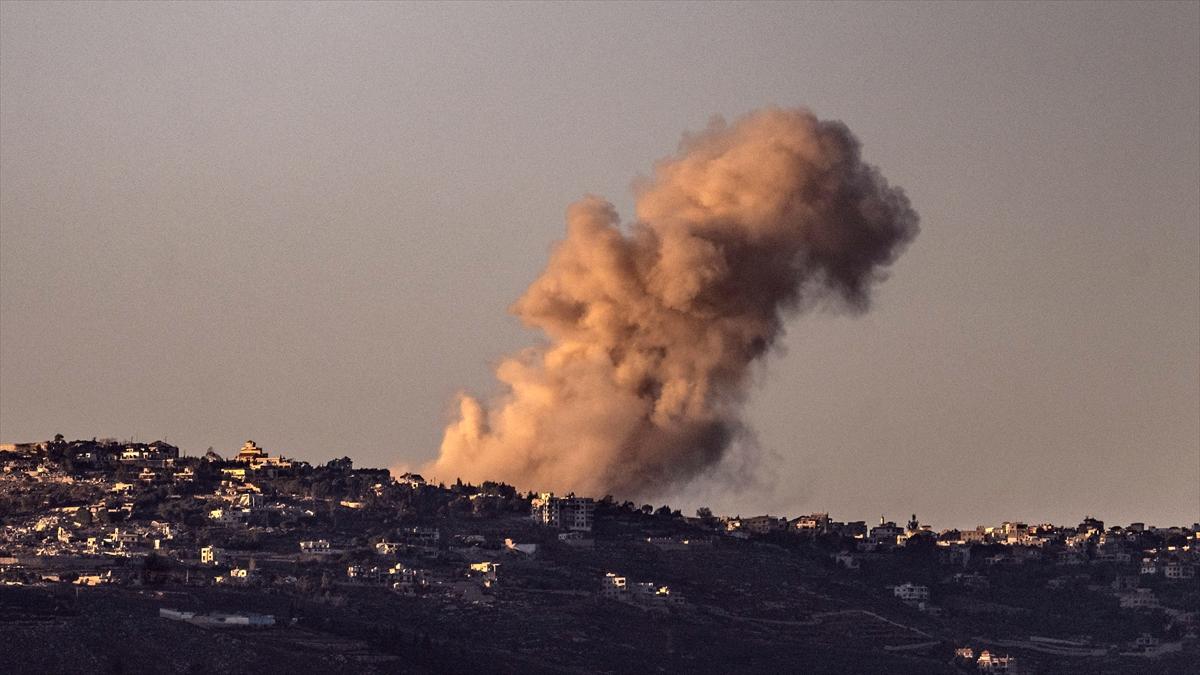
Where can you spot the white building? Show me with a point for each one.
(243, 574)
(886, 533)
(95, 579)
(409, 579)
(613, 586)
(387, 548)
(649, 593)
(316, 547)
(989, 663)
(763, 524)
(228, 516)
(1146, 641)
(487, 571)
(1176, 571)
(250, 500)
(572, 513)
(211, 555)
(815, 523)
(910, 592)
(578, 514)
(364, 573)
(545, 510)
(424, 537)
(1139, 598)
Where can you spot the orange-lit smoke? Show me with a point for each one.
(652, 328)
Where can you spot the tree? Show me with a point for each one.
(341, 465)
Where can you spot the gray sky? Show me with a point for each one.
(303, 224)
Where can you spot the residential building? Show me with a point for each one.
(316, 547)
(576, 514)
(487, 571)
(613, 586)
(815, 523)
(1138, 598)
(388, 547)
(910, 592)
(249, 454)
(1177, 571)
(409, 579)
(990, 663)
(649, 593)
(764, 524)
(211, 555)
(887, 533)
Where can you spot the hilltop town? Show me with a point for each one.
(122, 556)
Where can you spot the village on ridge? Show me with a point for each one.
(362, 572)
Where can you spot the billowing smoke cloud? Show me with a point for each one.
(653, 328)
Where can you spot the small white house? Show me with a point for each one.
(211, 555)
(317, 547)
(1177, 571)
(1139, 598)
(910, 592)
(613, 586)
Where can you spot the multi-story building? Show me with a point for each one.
(886, 533)
(764, 524)
(910, 592)
(613, 586)
(1139, 598)
(571, 513)
(545, 510)
(408, 578)
(816, 523)
(211, 555)
(422, 537)
(578, 514)
(249, 453)
(487, 571)
(990, 663)
(1177, 571)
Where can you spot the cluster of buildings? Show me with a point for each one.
(987, 662)
(1172, 553)
(98, 513)
(225, 501)
(645, 594)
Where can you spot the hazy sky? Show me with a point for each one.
(303, 224)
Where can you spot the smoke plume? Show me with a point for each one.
(652, 328)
